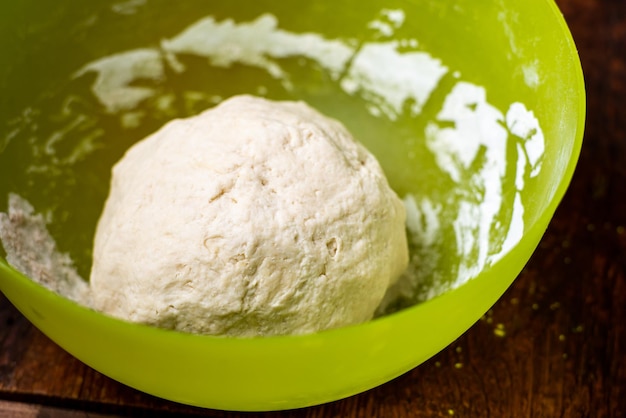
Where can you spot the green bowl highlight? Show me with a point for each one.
(58, 141)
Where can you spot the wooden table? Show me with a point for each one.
(553, 346)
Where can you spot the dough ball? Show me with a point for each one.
(253, 218)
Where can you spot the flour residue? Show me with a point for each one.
(477, 128)
(378, 71)
(116, 73)
(469, 139)
(128, 7)
(258, 43)
(388, 21)
(524, 125)
(390, 86)
(31, 250)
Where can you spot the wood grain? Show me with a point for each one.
(25, 410)
(553, 346)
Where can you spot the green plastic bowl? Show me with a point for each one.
(58, 142)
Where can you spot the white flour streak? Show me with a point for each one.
(516, 227)
(389, 78)
(254, 43)
(531, 74)
(389, 21)
(469, 142)
(521, 167)
(382, 75)
(116, 73)
(422, 221)
(523, 124)
(477, 128)
(395, 16)
(383, 28)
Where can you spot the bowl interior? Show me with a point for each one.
(474, 110)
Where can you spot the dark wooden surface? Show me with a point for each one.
(553, 346)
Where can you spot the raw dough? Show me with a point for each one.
(253, 218)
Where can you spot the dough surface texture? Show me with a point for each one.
(252, 218)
